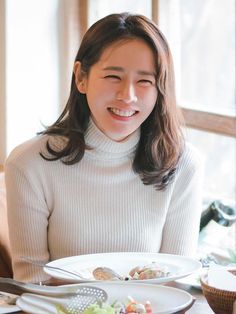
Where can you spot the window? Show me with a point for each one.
(202, 38)
(31, 67)
(38, 43)
(100, 8)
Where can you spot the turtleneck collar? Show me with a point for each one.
(102, 146)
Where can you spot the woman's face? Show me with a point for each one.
(121, 88)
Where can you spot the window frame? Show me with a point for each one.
(210, 122)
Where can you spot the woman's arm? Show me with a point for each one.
(181, 229)
(28, 221)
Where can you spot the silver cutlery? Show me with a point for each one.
(73, 298)
(74, 305)
(73, 274)
(17, 287)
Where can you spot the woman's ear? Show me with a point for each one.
(80, 78)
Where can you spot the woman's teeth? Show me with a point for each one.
(122, 113)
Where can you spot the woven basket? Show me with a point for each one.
(220, 301)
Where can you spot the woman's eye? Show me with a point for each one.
(112, 77)
(145, 82)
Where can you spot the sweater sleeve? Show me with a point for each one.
(28, 220)
(181, 229)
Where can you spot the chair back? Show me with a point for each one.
(5, 256)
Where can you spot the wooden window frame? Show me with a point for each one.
(210, 122)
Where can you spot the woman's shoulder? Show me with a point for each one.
(191, 157)
(27, 152)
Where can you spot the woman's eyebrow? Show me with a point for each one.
(142, 72)
(113, 68)
(120, 69)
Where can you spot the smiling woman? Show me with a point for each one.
(113, 173)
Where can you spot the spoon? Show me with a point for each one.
(62, 270)
(13, 286)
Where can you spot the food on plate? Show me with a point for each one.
(117, 307)
(131, 306)
(149, 271)
(105, 273)
(102, 308)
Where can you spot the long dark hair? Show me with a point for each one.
(161, 141)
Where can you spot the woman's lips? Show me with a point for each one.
(122, 113)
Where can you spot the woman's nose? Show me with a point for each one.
(127, 93)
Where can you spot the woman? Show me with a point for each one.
(113, 172)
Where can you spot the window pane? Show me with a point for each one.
(202, 38)
(219, 153)
(32, 69)
(101, 8)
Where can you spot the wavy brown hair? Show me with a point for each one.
(161, 142)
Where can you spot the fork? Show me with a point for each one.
(62, 270)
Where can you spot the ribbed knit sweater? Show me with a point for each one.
(97, 205)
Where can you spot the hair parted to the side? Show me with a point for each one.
(161, 141)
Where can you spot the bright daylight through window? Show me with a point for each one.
(202, 38)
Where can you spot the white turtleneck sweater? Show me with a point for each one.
(96, 205)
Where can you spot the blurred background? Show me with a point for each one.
(39, 40)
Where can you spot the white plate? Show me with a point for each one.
(164, 300)
(122, 262)
(6, 308)
(194, 279)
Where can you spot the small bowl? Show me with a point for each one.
(220, 301)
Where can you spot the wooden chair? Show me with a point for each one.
(5, 257)
(5, 263)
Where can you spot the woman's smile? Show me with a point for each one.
(122, 113)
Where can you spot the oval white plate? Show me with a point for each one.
(194, 279)
(4, 306)
(164, 300)
(122, 262)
